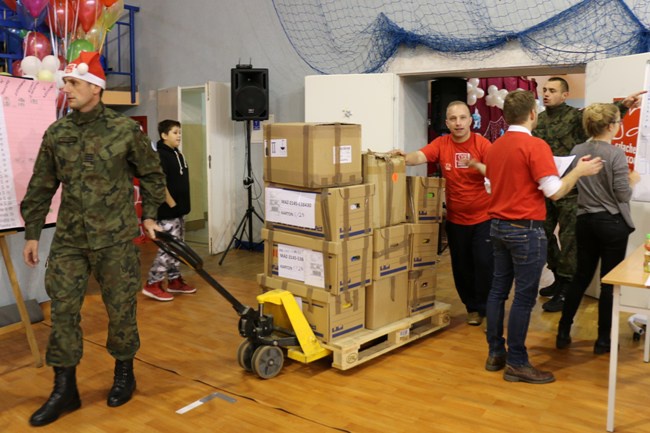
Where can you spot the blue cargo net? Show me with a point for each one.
(357, 36)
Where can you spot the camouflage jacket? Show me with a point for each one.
(94, 156)
(561, 127)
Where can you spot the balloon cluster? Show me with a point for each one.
(56, 31)
(495, 97)
(474, 92)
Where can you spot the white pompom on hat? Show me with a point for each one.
(87, 67)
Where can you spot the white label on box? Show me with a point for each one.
(345, 155)
(291, 262)
(298, 301)
(279, 148)
(404, 334)
(296, 208)
(314, 269)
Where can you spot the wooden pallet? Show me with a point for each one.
(368, 344)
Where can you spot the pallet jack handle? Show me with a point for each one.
(181, 251)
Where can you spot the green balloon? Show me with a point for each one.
(76, 47)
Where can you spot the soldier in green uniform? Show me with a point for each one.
(560, 125)
(93, 153)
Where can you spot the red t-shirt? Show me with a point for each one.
(466, 199)
(515, 163)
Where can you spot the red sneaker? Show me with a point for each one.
(156, 291)
(178, 285)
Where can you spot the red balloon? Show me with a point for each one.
(61, 17)
(12, 4)
(62, 63)
(37, 44)
(107, 3)
(89, 11)
(16, 70)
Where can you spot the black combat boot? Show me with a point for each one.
(563, 338)
(64, 398)
(123, 384)
(551, 289)
(557, 301)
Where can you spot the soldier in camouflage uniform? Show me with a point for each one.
(93, 153)
(560, 125)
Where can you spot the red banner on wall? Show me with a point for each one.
(627, 136)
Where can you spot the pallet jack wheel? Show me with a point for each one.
(267, 361)
(245, 355)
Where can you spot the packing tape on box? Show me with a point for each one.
(338, 176)
(324, 202)
(305, 155)
(346, 282)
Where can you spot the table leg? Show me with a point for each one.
(613, 358)
(646, 346)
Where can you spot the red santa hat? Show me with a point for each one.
(87, 67)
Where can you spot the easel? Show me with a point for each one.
(24, 317)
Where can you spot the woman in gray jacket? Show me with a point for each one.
(603, 223)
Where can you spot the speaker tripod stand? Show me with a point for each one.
(246, 224)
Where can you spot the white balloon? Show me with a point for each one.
(471, 99)
(58, 78)
(30, 65)
(499, 102)
(45, 75)
(490, 100)
(479, 93)
(503, 93)
(50, 63)
(492, 89)
(474, 82)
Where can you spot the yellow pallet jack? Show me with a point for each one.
(261, 351)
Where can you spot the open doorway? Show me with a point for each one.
(195, 150)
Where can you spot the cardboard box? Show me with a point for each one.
(387, 301)
(388, 174)
(425, 199)
(390, 251)
(422, 287)
(312, 155)
(423, 251)
(329, 316)
(331, 213)
(333, 266)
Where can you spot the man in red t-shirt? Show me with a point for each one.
(522, 172)
(461, 156)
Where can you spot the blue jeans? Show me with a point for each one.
(519, 255)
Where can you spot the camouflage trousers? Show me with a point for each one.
(562, 257)
(164, 264)
(117, 270)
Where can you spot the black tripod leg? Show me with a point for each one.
(241, 227)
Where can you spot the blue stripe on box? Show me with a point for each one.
(423, 307)
(421, 264)
(346, 331)
(392, 271)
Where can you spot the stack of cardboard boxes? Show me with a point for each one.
(405, 248)
(318, 223)
(336, 234)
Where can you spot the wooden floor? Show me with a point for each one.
(435, 384)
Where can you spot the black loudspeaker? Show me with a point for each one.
(249, 93)
(444, 91)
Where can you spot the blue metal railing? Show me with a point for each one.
(126, 23)
(11, 45)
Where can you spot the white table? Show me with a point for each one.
(627, 273)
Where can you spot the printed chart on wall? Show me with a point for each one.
(642, 157)
(27, 109)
